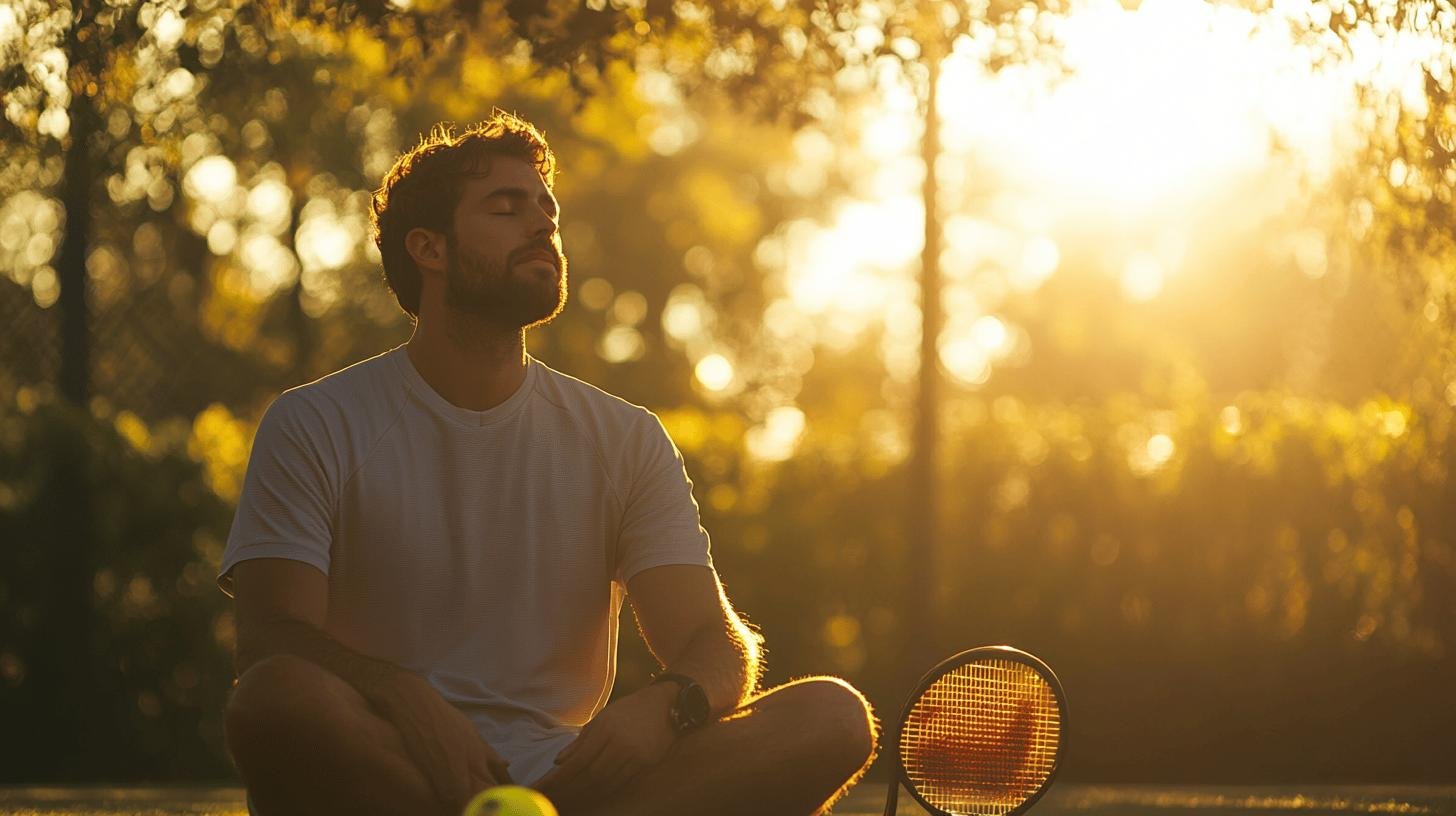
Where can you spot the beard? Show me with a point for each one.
(495, 292)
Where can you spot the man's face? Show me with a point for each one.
(506, 266)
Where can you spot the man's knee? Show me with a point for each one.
(841, 719)
(271, 699)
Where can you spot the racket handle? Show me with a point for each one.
(892, 801)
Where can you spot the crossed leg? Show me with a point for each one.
(790, 751)
(306, 743)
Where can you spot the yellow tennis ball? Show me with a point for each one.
(509, 800)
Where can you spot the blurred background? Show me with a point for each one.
(1151, 374)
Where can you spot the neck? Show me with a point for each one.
(472, 365)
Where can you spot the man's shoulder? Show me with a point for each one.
(584, 400)
(367, 389)
(628, 438)
(622, 431)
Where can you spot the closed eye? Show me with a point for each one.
(517, 197)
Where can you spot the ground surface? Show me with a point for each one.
(868, 800)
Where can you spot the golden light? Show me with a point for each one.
(167, 29)
(1151, 455)
(9, 26)
(1231, 420)
(1141, 128)
(964, 356)
(1039, 259)
(682, 319)
(212, 179)
(270, 266)
(991, 334)
(324, 242)
(621, 344)
(1150, 107)
(1161, 448)
(269, 203)
(630, 308)
(686, 314)
(1142, 279)
(45, 287)
(715, 372)
(841, 267)
(777, 437)
(222, 236)
(595, 293)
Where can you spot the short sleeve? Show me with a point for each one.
(286, 506)
(660, 524)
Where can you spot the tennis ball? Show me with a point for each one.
(509, 800)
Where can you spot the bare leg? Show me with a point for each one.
(305, 742)
(791, 751)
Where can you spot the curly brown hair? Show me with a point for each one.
(423, 188)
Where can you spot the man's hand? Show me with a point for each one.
(441, 740)
(626, 738)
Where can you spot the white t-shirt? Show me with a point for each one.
(487, 551)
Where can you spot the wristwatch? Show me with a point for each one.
(690, 708)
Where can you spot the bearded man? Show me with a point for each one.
(433, 545)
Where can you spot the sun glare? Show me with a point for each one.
(1143, 127)
(1150, 108)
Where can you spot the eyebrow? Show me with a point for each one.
(521, 193)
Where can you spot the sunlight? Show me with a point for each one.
(715, 372)
(211, 179)
(621, 344)
(837, 269)
(268, 204)
(1159, 106)
(325, 242)
(1176, 118)
(10, 29)
(964, 357)
(1142, 279)
(1151, 455)
(1174, 105)
(776, 439)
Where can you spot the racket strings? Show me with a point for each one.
(982, 738)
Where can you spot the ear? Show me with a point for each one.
(427, 249)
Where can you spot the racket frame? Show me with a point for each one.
(900, 776)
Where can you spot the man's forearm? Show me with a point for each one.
(294, 637)
(725, 661)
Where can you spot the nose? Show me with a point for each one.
(545, 226)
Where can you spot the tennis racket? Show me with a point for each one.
(982, 735)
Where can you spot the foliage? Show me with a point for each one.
(1255, 469)
(159, 659)
(1307, 543)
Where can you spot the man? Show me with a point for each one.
(433, 545)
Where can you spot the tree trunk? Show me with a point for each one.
(923, 550)
(300, 326)
(76, 187)
(66, 665)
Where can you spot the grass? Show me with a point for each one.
(867, 800)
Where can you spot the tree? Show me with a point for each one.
(791, 63)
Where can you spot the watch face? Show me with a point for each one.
(697, 704)
(691, 709)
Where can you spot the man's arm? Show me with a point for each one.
(281, 606)
(691, 629)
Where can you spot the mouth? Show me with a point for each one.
(539, 256)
